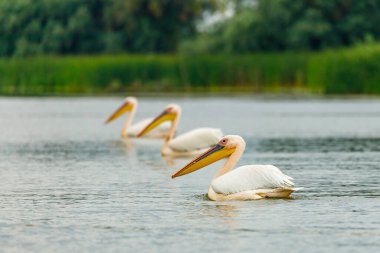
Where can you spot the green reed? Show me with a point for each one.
(348, 71)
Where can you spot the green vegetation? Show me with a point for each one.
(118, 46)
(352, 71)
(39, 27)
(348, 71)
(280, 25)
(43, 27)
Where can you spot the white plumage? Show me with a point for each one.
(136, 128)
(130, 106)
(187, 144)
(251, 177)
(196, 139)
(250, 182)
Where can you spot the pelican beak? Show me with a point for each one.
(126, 107)
(210, 156)
(164, 116)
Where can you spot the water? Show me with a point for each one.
(68, 183)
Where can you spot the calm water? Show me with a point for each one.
(68, 183)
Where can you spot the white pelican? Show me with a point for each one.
(248, 182)
(187, 144)
(128, 130)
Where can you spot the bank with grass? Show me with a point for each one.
(346, 71)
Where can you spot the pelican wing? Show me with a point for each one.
(251, 177)
(136, 128)
(198, 138)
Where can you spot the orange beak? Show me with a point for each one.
(164, 116)
(212, 155)
(126, 107)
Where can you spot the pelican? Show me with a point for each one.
(128, 130)
(191, 143)
(250, 182)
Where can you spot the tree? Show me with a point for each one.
(30, 27)
(275, 25)
(152, 25)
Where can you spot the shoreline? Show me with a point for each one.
(244, 95)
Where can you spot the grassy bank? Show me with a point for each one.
(349, 71)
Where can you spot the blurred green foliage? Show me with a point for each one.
(267, 45)
(278, 25)
(350, 71)
(35, 27)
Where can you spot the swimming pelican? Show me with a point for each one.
(128, 130)
(248, 182)
(187, 144)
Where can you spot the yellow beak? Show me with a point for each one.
(164, 116)
(126, 107)
(210, 156)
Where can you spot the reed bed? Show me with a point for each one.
(348, 71)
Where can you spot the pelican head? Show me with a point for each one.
(225, 147)
(170, 113)
(129, 104)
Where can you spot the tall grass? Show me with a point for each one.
(349, 71)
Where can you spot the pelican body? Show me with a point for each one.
(191, 143)
(130, 105)
(250, 182)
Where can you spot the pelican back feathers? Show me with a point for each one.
(251, 177)
(199, 138)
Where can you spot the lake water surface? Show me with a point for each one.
(70, 184)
